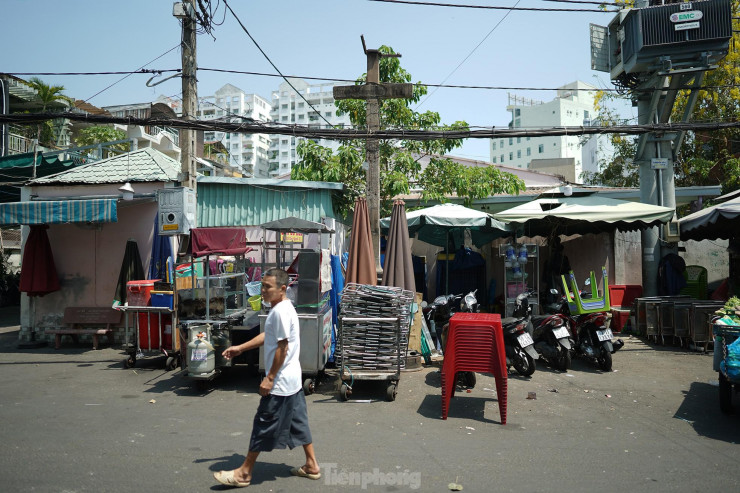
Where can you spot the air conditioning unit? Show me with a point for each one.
(176, 208)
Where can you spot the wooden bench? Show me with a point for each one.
(95, 321)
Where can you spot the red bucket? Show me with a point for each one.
(149, 325)
(139, 292)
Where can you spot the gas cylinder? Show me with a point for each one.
(200, 354)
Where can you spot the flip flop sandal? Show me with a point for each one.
(298, 471)
(227, 478)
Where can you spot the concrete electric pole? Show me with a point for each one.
(185, 11)
(372, 92)
(653, 51)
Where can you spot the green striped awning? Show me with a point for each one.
(59, 211)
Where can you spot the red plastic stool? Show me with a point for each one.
(475, 342)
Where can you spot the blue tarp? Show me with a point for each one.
(337, 285)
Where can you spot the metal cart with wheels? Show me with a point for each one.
(369, 349)
(155, 336)
(727, 363)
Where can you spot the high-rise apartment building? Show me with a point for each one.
(572, 106)
(247, 152)
(290, 108)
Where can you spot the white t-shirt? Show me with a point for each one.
(282, 323)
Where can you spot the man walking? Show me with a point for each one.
(282, 419)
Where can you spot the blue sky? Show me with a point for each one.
(316, 39)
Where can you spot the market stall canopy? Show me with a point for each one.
(218, 241)
(581, 213)
(433, 224)
(297, 225)
(719, 221)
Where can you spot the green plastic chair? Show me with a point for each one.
(594, 304)
(696, 282)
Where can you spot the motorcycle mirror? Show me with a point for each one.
(553, 291)
(588, 281)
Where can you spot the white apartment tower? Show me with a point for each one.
(247, 152)
(573, 106)
(290, 108)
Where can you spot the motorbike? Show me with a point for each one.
(593, 339)
(552, 339)
(518, 342)
(438, 316)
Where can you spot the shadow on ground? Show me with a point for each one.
(700, 407)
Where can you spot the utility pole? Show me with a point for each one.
(185, 11)
(372, 92)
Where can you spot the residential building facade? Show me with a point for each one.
(301, 104)
(572, 106)
(247, 152)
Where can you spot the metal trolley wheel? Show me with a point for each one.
(172, 363)
(130, 361)
(391, 391)
(309, 386)
(344, 392)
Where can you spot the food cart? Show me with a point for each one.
(212, 308)
(310, 273)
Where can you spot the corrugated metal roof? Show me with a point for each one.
(224, 201)
(143, 165)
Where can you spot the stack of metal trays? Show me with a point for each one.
(372, 345)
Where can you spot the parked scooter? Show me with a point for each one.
(518, 342)
(593, 337)
(552, 339)
(438, 315)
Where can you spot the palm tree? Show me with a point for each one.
(47, 95)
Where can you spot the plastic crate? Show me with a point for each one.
(619, 319)
(163, 299)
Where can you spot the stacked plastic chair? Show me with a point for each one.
(475, 342)
(594, 304)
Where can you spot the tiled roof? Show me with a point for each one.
(143, 165)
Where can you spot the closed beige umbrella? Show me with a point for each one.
(361, 261)
(398, 269)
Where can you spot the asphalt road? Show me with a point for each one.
(74, 420)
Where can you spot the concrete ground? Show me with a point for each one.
(74, 420)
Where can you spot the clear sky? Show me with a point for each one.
(523, 49)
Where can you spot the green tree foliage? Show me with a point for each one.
(48, 95)
(100, 134)
(400, 167)
(707, 158)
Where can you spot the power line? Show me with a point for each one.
(491, 7)
(351, 133)
(129, 75)
(273, 65)
(470, 54)
(334, 79)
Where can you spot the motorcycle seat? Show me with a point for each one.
(509, 321)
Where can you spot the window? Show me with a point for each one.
(284, 119)
(529, 151)
(494, 160)
(493, 147)
(327, 114)
(284, 142)
(300, 105)
(502, 158)
(511, 141)
(586, 114)
(511, 156)
(518, 154)
(502, 143)
(518, 140)
(527, 139)
(284, 106)
(541, 148)
(235, 99)
(517, 112)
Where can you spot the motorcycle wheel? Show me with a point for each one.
(605, 359)
(564, 361)
(465, 379)
(523, 363)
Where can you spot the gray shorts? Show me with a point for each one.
(281, 421)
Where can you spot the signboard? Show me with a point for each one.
(686, 6)
(692, 15)
(292, 237)
(659, 163)
(687, 25)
